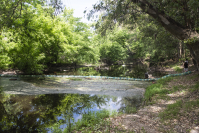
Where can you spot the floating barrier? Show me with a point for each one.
(102, 77)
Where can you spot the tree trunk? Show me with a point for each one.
(175, 28)
(194, 51)
(182, 50)
(179, 50)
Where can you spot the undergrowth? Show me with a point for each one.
(195, 88)
(157, 88)
(178, 69)
(93, 122)
(173, 110)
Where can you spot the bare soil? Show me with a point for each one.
(147, 119)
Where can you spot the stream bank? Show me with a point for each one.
(177, 110)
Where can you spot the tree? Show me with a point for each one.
(37, 41)
(80, 49)
(11, 10)
(179, 17)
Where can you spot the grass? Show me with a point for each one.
(157, 88)
(165, 81)
(178, 69)
(195, 76)
(185, 110)
(195, 88)
(130, 110)
(174, 110)
(178, 88)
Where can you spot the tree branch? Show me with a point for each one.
(167, 22)
(15, 8)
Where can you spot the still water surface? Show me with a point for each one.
(38, 105)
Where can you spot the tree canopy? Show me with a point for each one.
(179, 17)
(35, 35)
(36, 40)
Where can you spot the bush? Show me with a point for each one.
(177, 69)
(90, 120)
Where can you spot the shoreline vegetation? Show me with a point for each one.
(170, 105)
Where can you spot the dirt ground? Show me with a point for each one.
(147, 119)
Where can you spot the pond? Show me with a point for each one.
(42, 104)
(41, 113)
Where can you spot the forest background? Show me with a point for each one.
(35, 35)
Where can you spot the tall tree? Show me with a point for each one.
(179, 17)
(11, 10)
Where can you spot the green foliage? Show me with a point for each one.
(178, 69)
(5, 61)
(46, 111)
(91, 119)
(174, 110)
(94, 122)
(165, 80)
(112, 52)
(152, 41)
(182, 60)
(184, 13)
(195, 88)
(157, 88)
(80, 50)
(38, 41)
(130, 110)
(153, 90)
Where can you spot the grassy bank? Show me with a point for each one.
(174, 104)
(182, 90)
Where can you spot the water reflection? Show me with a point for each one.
(39, 113)
(134, 71)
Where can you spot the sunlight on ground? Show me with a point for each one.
(178, 94)
(153, 109)
(166, 102)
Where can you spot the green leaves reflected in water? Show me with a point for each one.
(41, 113)
(35, 113)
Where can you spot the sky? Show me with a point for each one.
(79, 6)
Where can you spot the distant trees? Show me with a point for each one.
(180, 18)
(35, 35)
